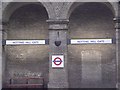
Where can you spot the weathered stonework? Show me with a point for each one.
(44, 20)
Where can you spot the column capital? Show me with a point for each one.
(4, 26)
(58, 24)
(117, 22)
(116, 19)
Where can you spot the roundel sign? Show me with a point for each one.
(57, 61)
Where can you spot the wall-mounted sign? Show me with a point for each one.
(24, 42)
(57, 61)
(91, 41)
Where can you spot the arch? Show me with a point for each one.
(71, 6)
(36, 28)
(86, 21)
(10, 7)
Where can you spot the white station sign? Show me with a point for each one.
(57, 61)
(91, 41)
(24, 42)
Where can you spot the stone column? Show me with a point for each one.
(4, 37)
(58, 77)
(117, 27)
(0, 56)
(0, 45)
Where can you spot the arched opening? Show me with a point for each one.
(92, 65)
(27, 22)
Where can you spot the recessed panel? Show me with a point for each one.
(91, 67)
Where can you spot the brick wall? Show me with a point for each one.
(27, 22)
(92, 21)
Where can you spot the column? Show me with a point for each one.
(117, 27)
(0, 57)
(0, 45)
(58, 77)
(4, 37)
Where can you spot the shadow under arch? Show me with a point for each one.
(11, 7)
(74, 5)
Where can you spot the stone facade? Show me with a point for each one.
(86, 66)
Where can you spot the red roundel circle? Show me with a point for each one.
(57, 61)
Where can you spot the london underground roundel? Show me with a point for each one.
(57, 61)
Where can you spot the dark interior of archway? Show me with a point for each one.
(92, 65)
(27, 22)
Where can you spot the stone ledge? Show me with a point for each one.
(58, 27)
(59, 21)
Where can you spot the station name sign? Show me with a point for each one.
(91, 41)
(24, 42)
